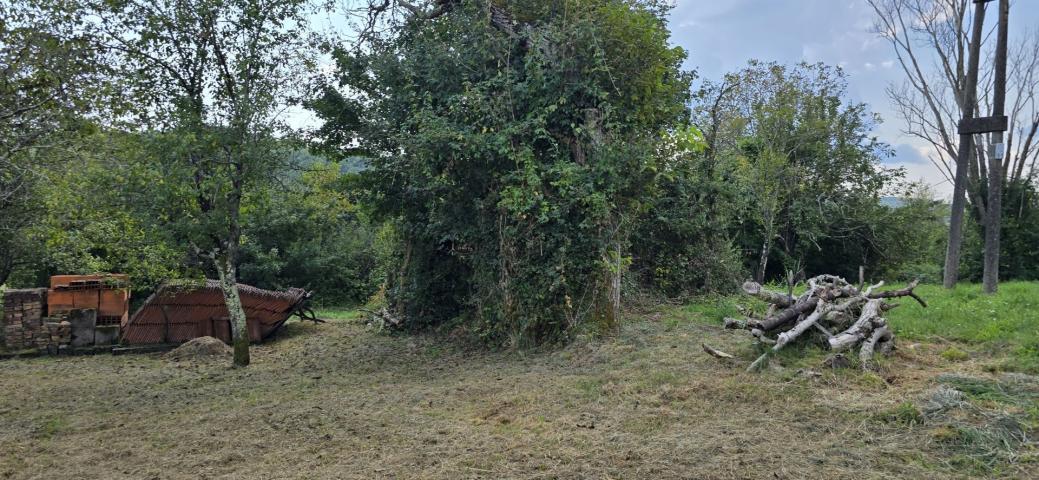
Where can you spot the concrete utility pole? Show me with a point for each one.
(952, 253)
(994, 218)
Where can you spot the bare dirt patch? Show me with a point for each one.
(339, 401)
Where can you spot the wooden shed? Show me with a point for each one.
(180, 311)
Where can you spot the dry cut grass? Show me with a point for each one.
(339, 401)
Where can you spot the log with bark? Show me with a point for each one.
(840, 315)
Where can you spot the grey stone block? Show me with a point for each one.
(83, 324)
(106, 334)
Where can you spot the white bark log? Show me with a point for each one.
(880, 334)
(802, 326)
(858, 331)
(715, 352)
(775, 298)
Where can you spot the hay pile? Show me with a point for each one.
(200, 349)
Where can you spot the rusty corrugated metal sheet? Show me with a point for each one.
(179, 312)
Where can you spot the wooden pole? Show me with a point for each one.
(952, 253)
(993, 219)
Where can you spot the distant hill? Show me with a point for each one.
(353, 164)
(892, 202)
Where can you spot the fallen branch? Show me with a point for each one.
(880, 334)
(734, 323)
(778, 299)
(785, 316)
(715, 353)
(903, 292)
(385, 318)
(859, 330)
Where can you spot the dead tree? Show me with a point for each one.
(932, 41)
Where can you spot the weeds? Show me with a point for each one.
(954, 354)
(905, 413)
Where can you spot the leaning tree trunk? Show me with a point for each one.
(227, 266)
(236, 314)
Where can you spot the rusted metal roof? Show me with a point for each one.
(178, 312)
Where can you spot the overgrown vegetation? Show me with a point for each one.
(511, 169)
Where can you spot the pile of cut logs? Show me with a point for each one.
(841, 315)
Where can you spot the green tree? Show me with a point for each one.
(681, 244)
(806, 160)
(208, 79)
(512, 144)
(93, 213)
(1019, 258)
(47, 80)
(310, 232)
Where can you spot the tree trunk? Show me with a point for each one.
(239, 329)
(952, 253)
(615, 286)
(763, 261)
(228, 270)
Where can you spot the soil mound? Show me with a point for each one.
(202, 348)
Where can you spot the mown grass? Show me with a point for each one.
(1006, 323)
(342, 400)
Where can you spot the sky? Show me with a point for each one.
(721, 35)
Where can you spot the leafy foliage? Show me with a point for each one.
(48, 79)
(681, 244)
(309, 233)
(1019, 258)
(512, 163)
(808, 168)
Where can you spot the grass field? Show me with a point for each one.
(338, 400)
(1002, 328)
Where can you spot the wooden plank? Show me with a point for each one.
(973, 126)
